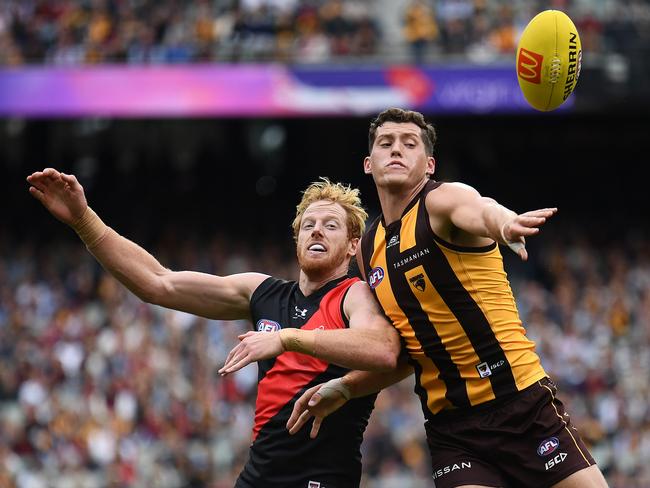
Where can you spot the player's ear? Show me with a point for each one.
(431, 166)
(353, 245)
(366, 165)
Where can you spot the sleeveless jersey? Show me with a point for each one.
(278, 459)
(454, 309)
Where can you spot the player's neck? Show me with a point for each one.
(394, 201)
(314, 281)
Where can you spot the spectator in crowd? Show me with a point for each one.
(77, 32)
(420, 29)
(146, 376)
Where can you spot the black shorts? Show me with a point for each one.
(307, 483)
(526, 441)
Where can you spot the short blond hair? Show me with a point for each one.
(344, 195)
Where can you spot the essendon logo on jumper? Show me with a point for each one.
(529, 66)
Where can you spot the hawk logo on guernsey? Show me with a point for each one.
(418, 282)
(265, 325)
(484, 369)
(375, 276)
(393, 241)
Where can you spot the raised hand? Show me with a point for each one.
(60, 193)
(253, 346)
(318, 401)
(515, 231)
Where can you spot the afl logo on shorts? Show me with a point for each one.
(375, 276)
(265, 325)
(548, 446)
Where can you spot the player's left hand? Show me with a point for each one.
(318, 401)
(253, 346)
(515, 231)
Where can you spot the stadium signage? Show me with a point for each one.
(263, 90)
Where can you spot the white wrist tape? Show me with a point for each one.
(503, 233)
(334, 387)
(516, 246)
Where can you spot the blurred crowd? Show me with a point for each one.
(98, 389)
(75, 32)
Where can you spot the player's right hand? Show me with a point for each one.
(60, 193)
(318, 401)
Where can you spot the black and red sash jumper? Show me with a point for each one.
(278, 459)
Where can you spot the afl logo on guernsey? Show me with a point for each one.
(265, 325)
(548, 446)
(375, 276)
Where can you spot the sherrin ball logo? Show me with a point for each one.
(548, 446)
(375, 276)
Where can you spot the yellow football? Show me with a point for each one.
(548, 60)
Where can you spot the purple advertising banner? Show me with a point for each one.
(255, 90)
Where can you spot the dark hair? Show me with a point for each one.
(402, 116)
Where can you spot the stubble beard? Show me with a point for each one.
(318, 267)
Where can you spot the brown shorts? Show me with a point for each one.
(526, 441)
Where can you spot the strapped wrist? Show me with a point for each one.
(297, 340)
(335, 386)
(90, 228)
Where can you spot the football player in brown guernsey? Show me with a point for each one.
(307, 332)
(433, 261)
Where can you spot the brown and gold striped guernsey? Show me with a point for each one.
(454, 310)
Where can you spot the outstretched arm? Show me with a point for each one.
(199, 293)
(459, 212)
(324, 399)
(370, 343)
